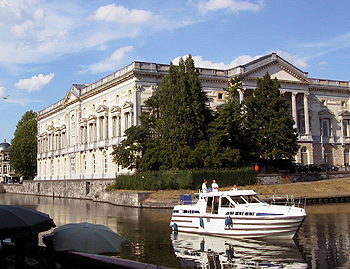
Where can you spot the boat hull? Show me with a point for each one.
(238, 227)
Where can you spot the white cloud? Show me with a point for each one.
(241, 60)
(199, 62)
(121, 15)
(295, 60)
(322, 63)
(42, 31)
(34, 83)
(2, 91)
(110, 63)
(230, 5)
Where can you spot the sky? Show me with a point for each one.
(48, 45)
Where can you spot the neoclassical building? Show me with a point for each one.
(7, 174)
(76, 135)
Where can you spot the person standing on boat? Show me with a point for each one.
(234, 188)
(215, 185)
(204, 186)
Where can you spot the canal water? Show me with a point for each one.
(323, 240)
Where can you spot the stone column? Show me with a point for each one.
(306, 113)
(136, 105)
(294, 109)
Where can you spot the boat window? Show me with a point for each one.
(212, 205)
(238, 200)
(225, 202)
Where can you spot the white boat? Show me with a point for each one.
(238, 214)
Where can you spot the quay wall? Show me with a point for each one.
(271, 179)
(94, 190)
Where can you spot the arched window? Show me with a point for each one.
(304, 159)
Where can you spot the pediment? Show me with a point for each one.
(92, 118)
(101, 108)
(344, 113)
(115, 109)
(325, 113)
(301, 111)
(50, 128)
(82, 121)
(127, 104)
(70, 97)
(277, 67)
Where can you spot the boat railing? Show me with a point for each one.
(287, 200)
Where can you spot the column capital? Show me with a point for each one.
(241, 90)
(294, 94)
(306, 95)
(137, 87)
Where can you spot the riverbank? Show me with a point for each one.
(331, 188)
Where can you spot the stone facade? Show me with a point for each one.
(76, 135)
(7, 174)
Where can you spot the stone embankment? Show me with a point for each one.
(317, 188)
(94, 190)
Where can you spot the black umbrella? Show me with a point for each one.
(88, 238)
(18, 222)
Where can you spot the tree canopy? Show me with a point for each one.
(269, 127)
(180, 131)
(23, 150)
(175, 124)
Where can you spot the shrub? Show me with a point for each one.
(177, 180)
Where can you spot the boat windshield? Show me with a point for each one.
(251, 199)
(245, 199)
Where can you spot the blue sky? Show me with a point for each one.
(47, 45)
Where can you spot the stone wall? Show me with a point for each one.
(95, 190)
(81, 189)
(299, 177)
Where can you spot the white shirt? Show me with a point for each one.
(204, 187)
(215, 186)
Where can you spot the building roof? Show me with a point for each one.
(4, 146)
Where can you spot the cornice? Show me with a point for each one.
(88, 94)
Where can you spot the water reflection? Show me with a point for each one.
(323, 240)
(324, 237)
(200, 251)
(147, 230)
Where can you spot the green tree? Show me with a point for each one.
(23, 150)
(225, 130)
(183, 106)
(176, 122)
(268, 125)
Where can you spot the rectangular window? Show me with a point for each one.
(325, 125)
(346, 127)
(302, 126)
(114, 126)
(72, 165)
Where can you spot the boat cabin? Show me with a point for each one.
(228, 199)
